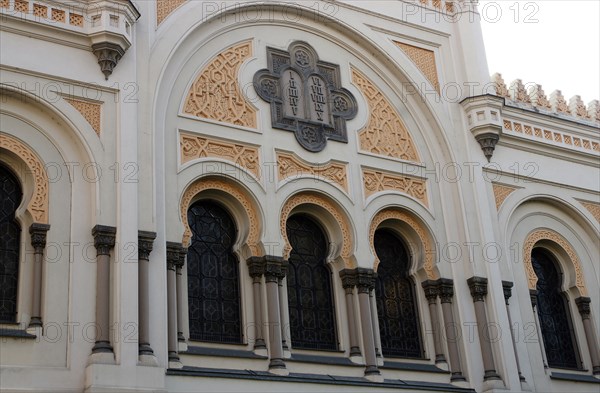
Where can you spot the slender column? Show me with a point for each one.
(272, 274)
(173, 250)
(375, 319)
(583, 304)
(145, 243)
(478, 287)
(104, 241)
(349, 282)
(364, 282)
(256, 269)
(446, 288)
(533, 297)
(38, 241)
(431, 289)
(282, 303)
(507, 287)
(180, 302)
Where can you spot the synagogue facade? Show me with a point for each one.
(323, 196)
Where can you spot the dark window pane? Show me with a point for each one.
(396, 300)
(213, 276)
(10, 235)
(553, 312)
(310, 300)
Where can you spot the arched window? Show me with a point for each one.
(10, 235)
(553, 312)
(310, 298)
(213, 275)
(396, 300)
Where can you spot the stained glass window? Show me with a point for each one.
(213, 275)
(310, 298)
(553, 312)
(396, 300)
(10, 235)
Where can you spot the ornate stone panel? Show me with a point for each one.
(385, 133)
(290, 165)
(316, 199)
(306, 96)
(38, 205)
(165, 7)
(564, 139)
(216, 92)
(424, 59)
(231, 189)
(193, 147)
(594, 208)
(501, 192)
(419, 228)
(548, 234)
(90, 112)
(377, 181)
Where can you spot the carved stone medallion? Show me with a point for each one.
(305, 96)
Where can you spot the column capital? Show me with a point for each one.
(104, 238)
(507, 288)
(349, 279)
(432, 290)
(38, 235)
(256, 266)
(273, 267)
(365, 279)
(173, 255)
(478, 287)
(533, 297)
(583, 305)
(446, 289)
(145, 244)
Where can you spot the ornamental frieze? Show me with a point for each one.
(306, 96)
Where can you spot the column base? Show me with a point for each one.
(35, 322)
(596, 371)
(457, 378)
(491, 385)
(147, 360)
(372, 374)
(491, 375)
(102, 347)
(277, 366)
(260, 344)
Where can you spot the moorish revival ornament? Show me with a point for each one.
(305, 96)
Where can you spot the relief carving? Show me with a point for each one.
(385, 133)
(38, 205)
(216, 92)
(290, 165)
(424, 60)
(193, 147)
(548, 234)
(89, 111)
(501, 192)
(165, 7)
(594, 208)
(377, 181)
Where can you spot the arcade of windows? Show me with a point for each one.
(214, 296)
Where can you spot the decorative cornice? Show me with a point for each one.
(375, 181)
(104, 238)
(38, 234)
(478, 287)
(145, 244)
(290, 165)
(216, 93)
(193, 147)
(385, 134)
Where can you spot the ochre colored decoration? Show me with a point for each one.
(594, 208)
(419, 228)
(567, 140)
(290, 165)
(424, 59)
(38, 205)
(547, 234)
(194, 147)
(377, 181)
(231, 189)
(216, 92)
(385, 133)
(165, 7)
(318, 200)
(501, 192)
(89, 111)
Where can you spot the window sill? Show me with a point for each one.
(221, 352)
(321, 359)
(16, 333)
(575, 377)
(429, 368)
